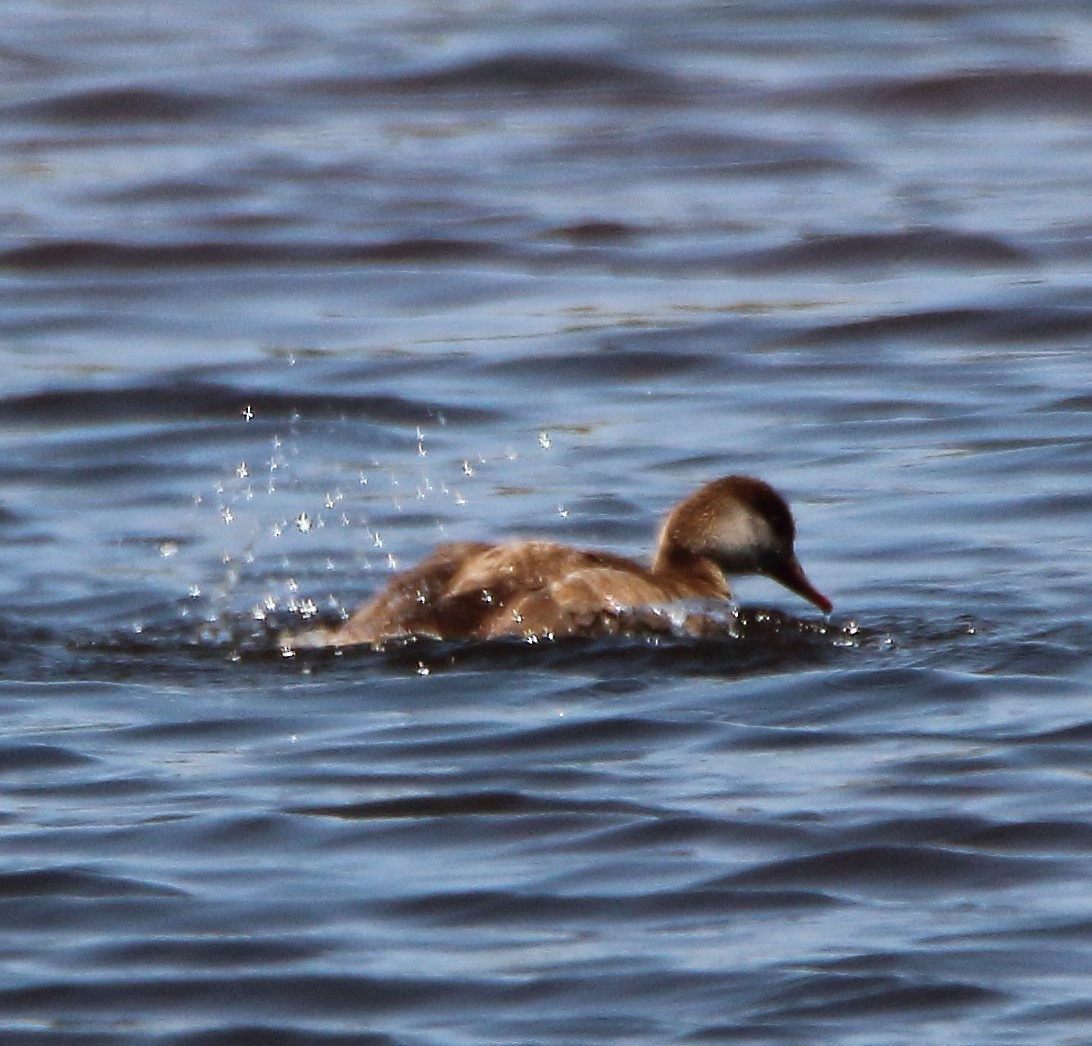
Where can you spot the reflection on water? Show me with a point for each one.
(296, 294)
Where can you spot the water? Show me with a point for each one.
(291, 294)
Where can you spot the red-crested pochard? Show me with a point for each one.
(468, 590)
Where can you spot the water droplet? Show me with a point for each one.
(248, 412)
(544, 440)
(227, 515)
(168, 549)
(241, 470)
(468, 469)
(304, 523)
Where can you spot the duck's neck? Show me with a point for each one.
(689, 574)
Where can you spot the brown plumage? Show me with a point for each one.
(468, 590)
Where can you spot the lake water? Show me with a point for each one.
(290, 293)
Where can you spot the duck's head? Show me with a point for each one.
(741, 525)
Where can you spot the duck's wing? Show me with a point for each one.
(537, 588)
(408, 604)
(597, 598)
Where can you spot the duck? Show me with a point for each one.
(538, 589)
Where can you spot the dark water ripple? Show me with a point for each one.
(198, 399)
(289, 295)
(124, 105)
(513, 77)
(824, 254)
(1010, 91)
